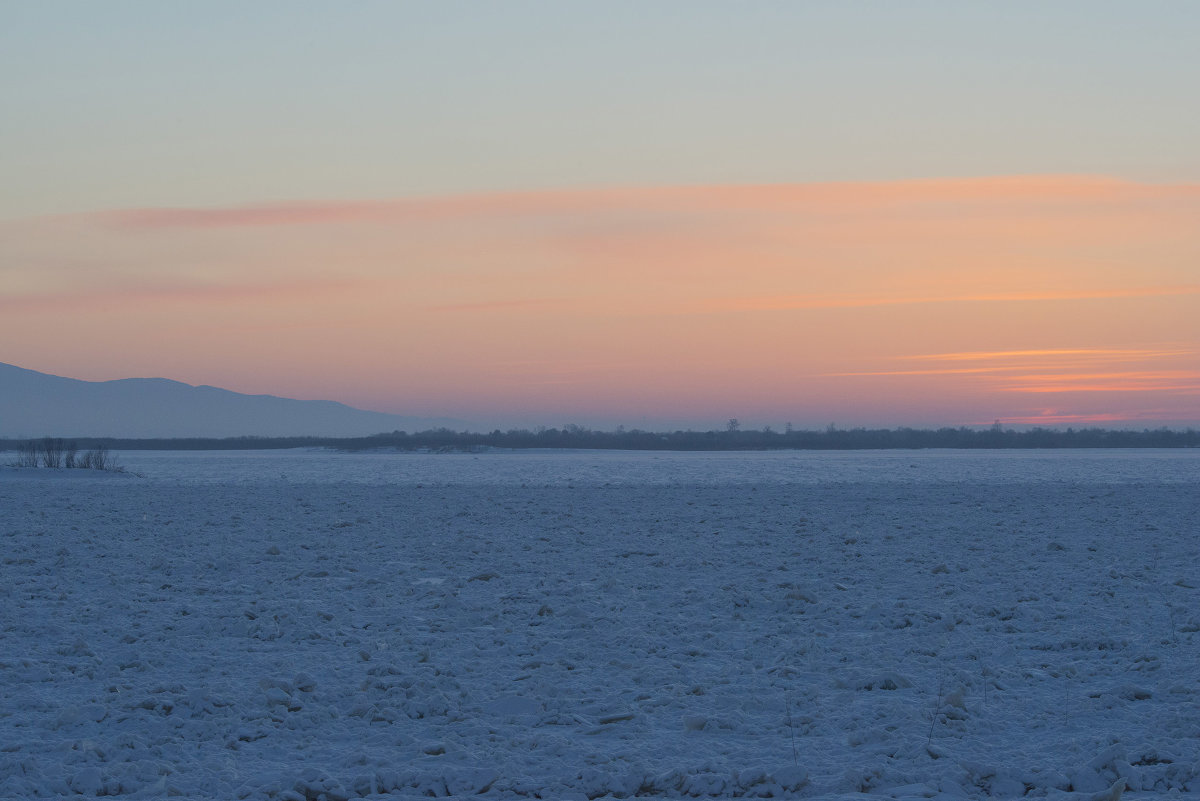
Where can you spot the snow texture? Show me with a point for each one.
(306, 625)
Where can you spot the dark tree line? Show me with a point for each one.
(732, 438)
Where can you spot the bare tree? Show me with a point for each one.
(52, 452)
(27, 456)
(97, 458)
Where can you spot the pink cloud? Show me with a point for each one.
(234, 217)
(383, 211)
(493, 305)
(174, 293)
(820, 198)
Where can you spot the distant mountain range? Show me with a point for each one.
(34, 404)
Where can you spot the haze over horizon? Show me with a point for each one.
(614, 214)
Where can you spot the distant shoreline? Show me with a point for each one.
(578, 438)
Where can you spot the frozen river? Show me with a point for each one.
(586, 624)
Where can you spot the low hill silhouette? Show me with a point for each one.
(34, 404)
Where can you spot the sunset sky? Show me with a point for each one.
(656, 214)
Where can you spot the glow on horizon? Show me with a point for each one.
(1038, 297)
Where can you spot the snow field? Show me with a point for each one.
(575, 639)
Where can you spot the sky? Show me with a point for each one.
(655, 215)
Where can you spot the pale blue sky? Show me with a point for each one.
(131, 104)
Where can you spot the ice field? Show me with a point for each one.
(309, 624)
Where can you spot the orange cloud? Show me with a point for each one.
(948, 371)
(1133, 353)
(1026, 360)
(1054, 419)
(1121, 387)
(1096, 375)
(811, 302)
(1142, 375)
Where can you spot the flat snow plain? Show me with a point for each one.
(308, 624)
